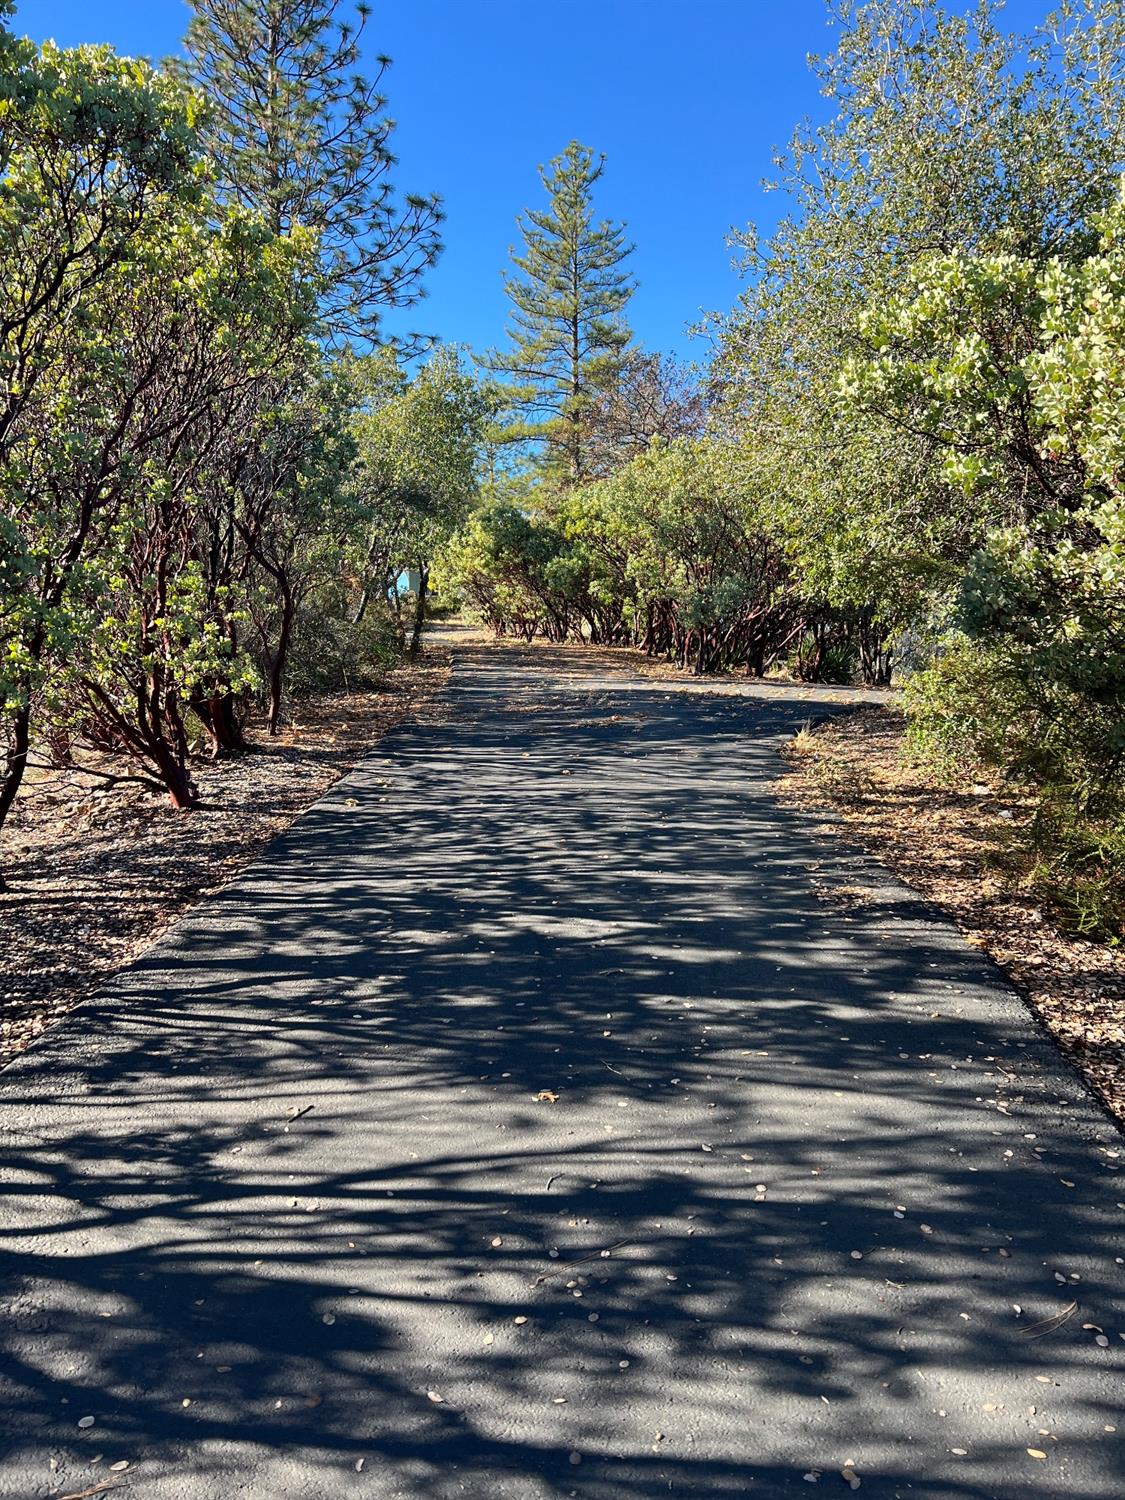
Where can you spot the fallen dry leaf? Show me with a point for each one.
(1049, 1324)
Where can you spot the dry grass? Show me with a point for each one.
(967, 848)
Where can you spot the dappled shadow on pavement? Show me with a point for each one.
(523, 1126)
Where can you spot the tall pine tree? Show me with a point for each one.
(567, 327)
(299, 135)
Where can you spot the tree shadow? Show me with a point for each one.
(521, 1125)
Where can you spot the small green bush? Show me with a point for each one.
(330, 652)
(1080, 868)
(961, 715)
(972, 712)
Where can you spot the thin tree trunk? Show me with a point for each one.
(232, 737)
(396, 600)
(170, 762)
(419, 611)
(365, 596)
(181, 788)
(361, 607)
(16, 766)
(218, 718)
(278, 660)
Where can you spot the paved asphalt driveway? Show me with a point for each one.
(524, 1125)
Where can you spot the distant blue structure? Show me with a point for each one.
(407, 582)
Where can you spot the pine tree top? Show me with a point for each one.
(568, 295)
(300, 135)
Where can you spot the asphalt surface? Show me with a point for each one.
(526, 1124)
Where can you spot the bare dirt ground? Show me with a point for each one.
(97, 873)
(965, 848)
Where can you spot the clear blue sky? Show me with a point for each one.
(686, 98)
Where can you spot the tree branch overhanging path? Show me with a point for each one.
(554, 1140)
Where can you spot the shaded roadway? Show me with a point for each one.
(524, 1124)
